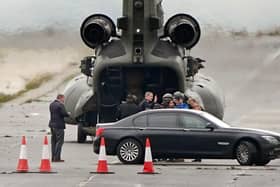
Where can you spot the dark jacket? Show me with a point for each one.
(127, 109)
(145, 105)
(57, 114)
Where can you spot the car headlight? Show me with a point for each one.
(271, 139)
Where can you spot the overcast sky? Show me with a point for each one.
(253, 15)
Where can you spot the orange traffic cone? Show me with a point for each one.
(45, 161)
(148, 163)
(23, 162)
(102, 167)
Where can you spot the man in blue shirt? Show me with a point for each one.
(179, 100)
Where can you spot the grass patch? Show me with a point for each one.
(261, 33)
(8, 97)
(70, 77)
(32, 84)
(38, 81)
(4, 97)
(239, 33)
(272, 32)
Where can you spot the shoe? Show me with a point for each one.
(196, 160)
(58, 161)
(175, 160)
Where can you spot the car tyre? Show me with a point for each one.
(81, 135)
(245, 153)
(130, 151)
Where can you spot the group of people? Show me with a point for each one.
(131, 106)
(175, 100)
(179, 100)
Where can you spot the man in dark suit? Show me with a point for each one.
(57, 125)
(128, 108)
(148, 102)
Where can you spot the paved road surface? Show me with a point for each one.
(247, 70)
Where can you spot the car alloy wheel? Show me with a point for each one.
(245, 153)
(129, 151)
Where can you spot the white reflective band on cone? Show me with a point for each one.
(102, 153)
(45, 152)
(23, 152)
(148, 155)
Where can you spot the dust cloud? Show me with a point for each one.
(43, 37)
(27, 55)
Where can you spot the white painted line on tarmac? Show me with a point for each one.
(137, 185)
(34, 114)
(82, 184)
(115, 161)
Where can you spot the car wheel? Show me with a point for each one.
(130, 151)
(81, 135)
(245, 153)
(262, 162)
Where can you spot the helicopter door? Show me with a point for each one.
(110, 94)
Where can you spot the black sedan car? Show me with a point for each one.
(182, 133)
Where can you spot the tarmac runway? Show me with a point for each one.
(247, 70)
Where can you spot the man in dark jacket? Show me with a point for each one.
(128, 108)
(57, 125)
(148, 102)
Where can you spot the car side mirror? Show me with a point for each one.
(210, 126)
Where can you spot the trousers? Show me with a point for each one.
(57, 141)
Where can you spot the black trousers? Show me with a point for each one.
(57, 141)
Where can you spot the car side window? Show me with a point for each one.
(140, 121)
(166, 120)
(191, 121)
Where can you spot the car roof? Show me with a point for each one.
(154, 111)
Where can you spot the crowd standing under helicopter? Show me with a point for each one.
(150, 101)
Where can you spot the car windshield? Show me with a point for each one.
(215, 120)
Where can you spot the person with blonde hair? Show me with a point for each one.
(194, 104)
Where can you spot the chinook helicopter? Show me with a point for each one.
(140, 54)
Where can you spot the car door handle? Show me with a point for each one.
(141, 129)
(186, 129)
